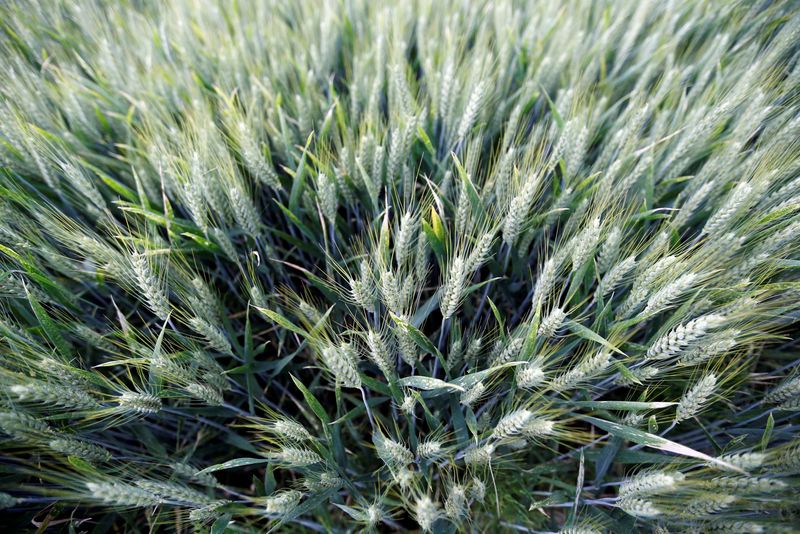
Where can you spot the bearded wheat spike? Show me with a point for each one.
(406, 344)
(546, 280)
(480, 253)
(476, 100)
(341, 362)
(583, 244)
(530, 376)
(209, 512)
(244, 211)
(642, 374)
(682, 336)
(289, 429)
(745, 484)
(736, 202)
(404, 240)
(791, 405)
(451, 296)
(390, 289)
(121, 494)
(362, 289)
(610, 250)
(650, 483)
(518, 210)
(586, 370)
(512, 424)
(471, 395)
(189, 472)
(639, 507)
(643, 285)
(426, 512)
(455, 506)
(296, 456)
(708, 504)
(537, 427)
(81, 449)
(214, 336)
(205, 393)
(254, 159)
(743, 460)
(695, 399)
(325, 481)
(326, 190)
(707, 351)
(666, 296)
(379, 353)
(616, 275)
(170, 491)
(23, 426)
(282, 503)
(784, 391)
(70, 397)
(140, 403)
(430, 449)
(510, 351)
(552, 323)
(392, 452)
(149, 285)
(478, 456)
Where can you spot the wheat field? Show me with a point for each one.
(344, 266)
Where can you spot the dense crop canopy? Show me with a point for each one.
(452, 266)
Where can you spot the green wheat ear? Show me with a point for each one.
(500, 266)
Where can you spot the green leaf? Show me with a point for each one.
(49, 326)
(652, 424)
(767, 433)
(605, 459)
(426, 383)
(419, 338)
(282, 321)
(298, 178)
(312, 402)
(426, 309)
(497, 315)
(630, 406)
(467, 381)
(437, 226)
(231, 464)
(221, 524)
(586, 333)
(425, 140)
(656, 442)
(436, 244)
(625, 372)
